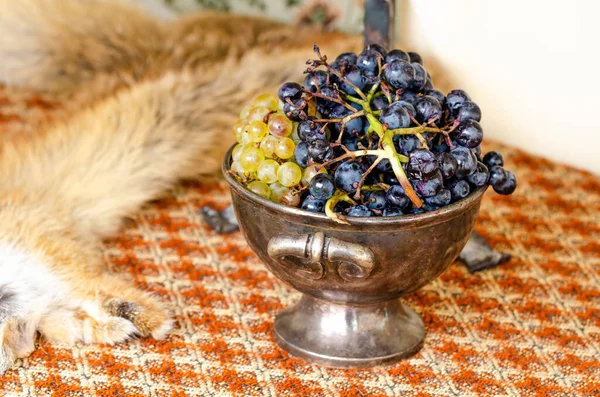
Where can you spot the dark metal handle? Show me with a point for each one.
(380, 22)
(316, 253)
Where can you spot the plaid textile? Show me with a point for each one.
(527, 328)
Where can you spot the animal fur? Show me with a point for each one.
(151, 102)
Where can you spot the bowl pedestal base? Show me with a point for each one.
(349, 336)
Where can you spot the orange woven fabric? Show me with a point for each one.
(528, 328)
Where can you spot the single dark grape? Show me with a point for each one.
(399, 74)
(492, 159)
(392, 212)
(498, 176)
(396, 197)
(322, 187)
(428, 108)
(319, 151)
(349, 57)
(379, 102)
(347, 176)
(375, 200)
(480, 176)
(468, 111)
(410, 97)
(459, 189)
(354, 75)
(455, 98)
(289, 90)
(301, 154)
(395, 116)
(466, 161)
(422, 162)
(308, 131)
(468, 134)
(313, 205)
(378, 48)
(367, 60)
(408, 144)
(447, 163)
(415, 57)
(408, 106)
(437, 95)
(509, 186)
(384, 166)
(420, 77)
(429, 186)
(441, 199)
(360, 210)
(351, 144)
(397, 54)
(416, 211)
(295, 112)
(339, 111)
(356, 106)
(316, 80)
(428, 84)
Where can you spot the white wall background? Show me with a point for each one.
(533, 66)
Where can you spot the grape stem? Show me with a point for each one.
(364, 176)
(391, 154)
(359, 153)
(323, 61)
(336, 100)
(332, 202)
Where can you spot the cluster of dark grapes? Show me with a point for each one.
(373, 137)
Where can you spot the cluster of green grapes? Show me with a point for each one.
(263, 159)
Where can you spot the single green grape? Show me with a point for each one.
(257, 131)
(295, 137)
(289, 174)
(310, 172)
(285, 148)
(245, 112)
(238, 129)
(251, 158)
(258, 113)
(280, 125)
(237, 151)
(277, 190)
(238, 169)
(260, 188)
(266, 100)
(290, 198)
(268, 145)
(267, 171)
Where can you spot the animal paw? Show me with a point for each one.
(88, 323)
(149, 317)
(17, 340)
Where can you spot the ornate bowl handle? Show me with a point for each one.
(312, 255)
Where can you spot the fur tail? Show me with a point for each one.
(59, 45)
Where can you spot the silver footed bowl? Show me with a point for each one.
(351, 276)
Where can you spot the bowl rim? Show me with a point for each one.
(441, 214)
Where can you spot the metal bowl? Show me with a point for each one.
(351, 276)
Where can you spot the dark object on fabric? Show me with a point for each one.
(478, 255)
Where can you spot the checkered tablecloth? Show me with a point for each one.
(527, 328)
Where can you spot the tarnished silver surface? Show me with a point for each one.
(319, 254)
(352, 275)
